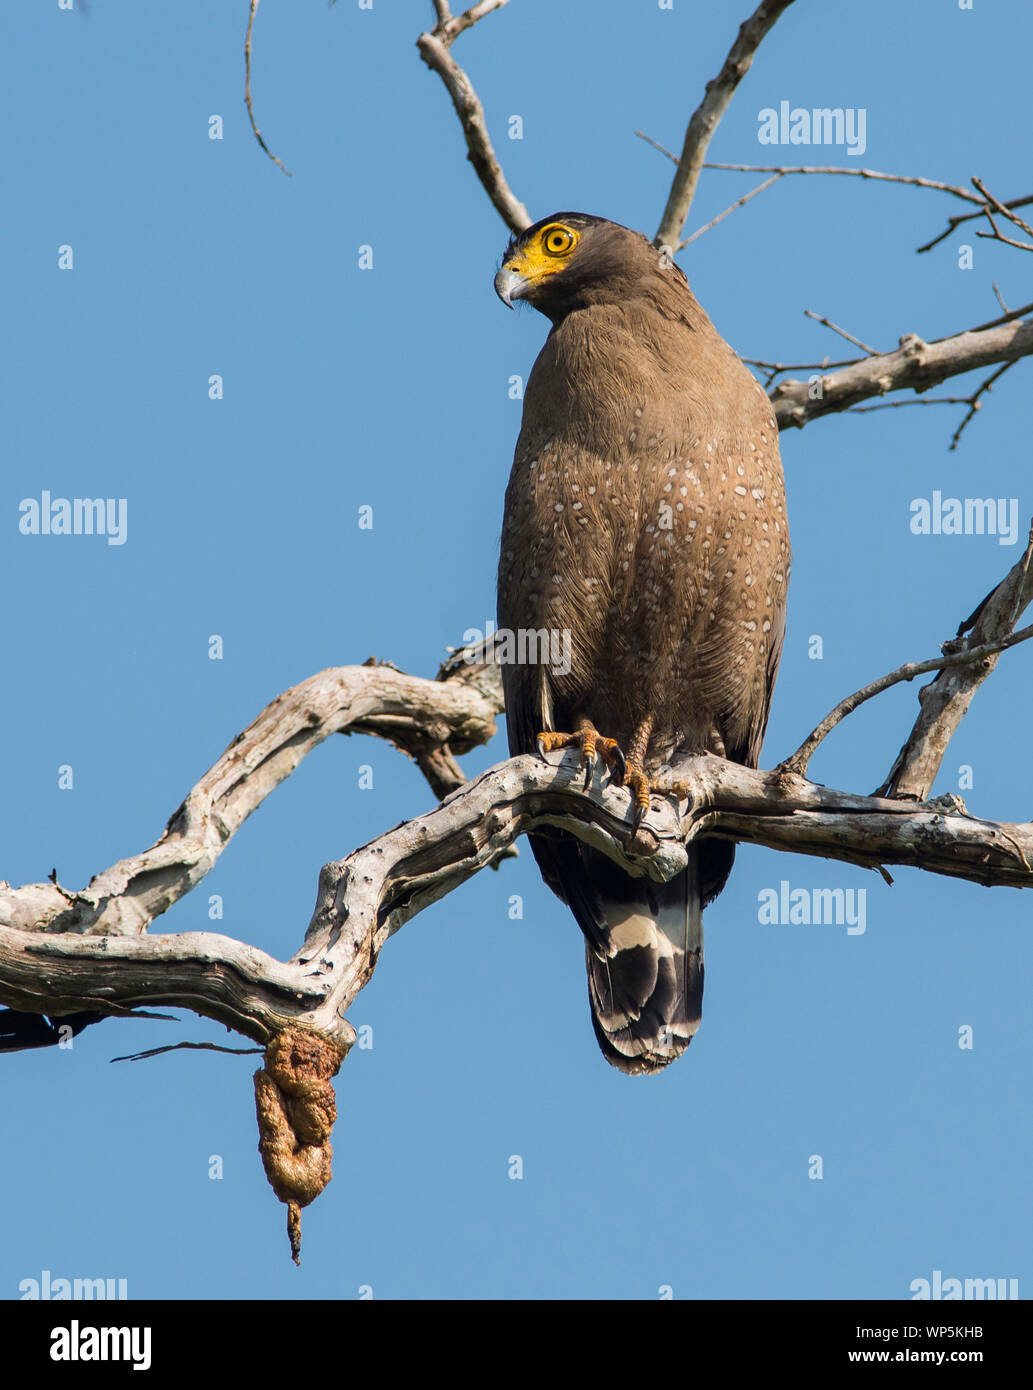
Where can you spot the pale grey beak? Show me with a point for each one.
(509, 285)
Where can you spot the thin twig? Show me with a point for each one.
(872, 352)
(707, 116)
(722, 215)
(998, 235)
(974, 403)
(956, 221)
(247, 91)
(899, 405)
(797, 762)
(641, 135)
(1002, 208)
(200, 1047)
(821, 366)
(1005, 318)
(876, 174)
(987, 200)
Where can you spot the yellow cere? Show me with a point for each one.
(546, 253)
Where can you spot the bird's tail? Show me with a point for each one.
(643, 948)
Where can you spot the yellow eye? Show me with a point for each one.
(557, 241)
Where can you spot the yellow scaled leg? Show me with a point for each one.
(635, 778)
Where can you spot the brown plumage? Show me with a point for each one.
(645, 515)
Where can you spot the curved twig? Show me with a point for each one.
(434, 46)
(247, 91)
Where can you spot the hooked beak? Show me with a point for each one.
(510, 285)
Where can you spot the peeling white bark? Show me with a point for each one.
(367, 896)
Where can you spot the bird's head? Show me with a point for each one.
(571, 260)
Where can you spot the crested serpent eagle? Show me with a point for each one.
(645, 517)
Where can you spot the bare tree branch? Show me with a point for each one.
(798, 762)
(212, 975)
(707, 116)
(426, 718)
(915, 366)
(985, 202)
(364, 898)
(945, 701)
(247, 90)
(434, 46)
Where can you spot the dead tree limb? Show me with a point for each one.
(945, 701)
(707, 116)
(427, 719)
(367, 896)
(914, 366)
(434, 46)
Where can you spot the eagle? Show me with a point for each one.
(645, 524)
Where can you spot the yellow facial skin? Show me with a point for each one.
(545, 255)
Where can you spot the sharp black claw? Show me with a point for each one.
(589, 769)
(541, 749)
(620, 767)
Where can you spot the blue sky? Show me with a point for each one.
(388, 387)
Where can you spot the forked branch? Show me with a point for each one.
(435, 50)
(707, 116)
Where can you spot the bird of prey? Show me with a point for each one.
(645, 517)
